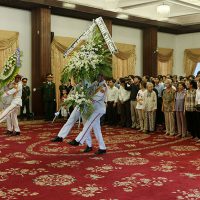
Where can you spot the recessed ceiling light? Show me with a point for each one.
(163, 11)
(69, 5)
(122, 16)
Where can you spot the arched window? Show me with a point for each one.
(197, 69)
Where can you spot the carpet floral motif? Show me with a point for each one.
(103, 169)
(134, 153)
(89, 190)
(113, 147)
(32, 162)
(16, 193)
(185, 148)
(159, 139)
(123, 138)
(19, 138)
(130, 161)
(190, 175)
(44, 135)
(4, 146)
(196, 163)
(3, 176)
(54, 180)
(165, 166)
(139, 180)
(96, 158)
(167, 153)
(130, 145)
(50, 149)
(191, 194)
(3, 160)
(18, 171)
(65, 163)
(94, 176)
(19, 155)
(147, 142)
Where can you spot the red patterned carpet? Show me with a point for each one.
(136, 167)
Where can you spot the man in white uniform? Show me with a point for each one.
(94, 120)
(10, 113)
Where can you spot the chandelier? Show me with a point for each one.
(163, 11)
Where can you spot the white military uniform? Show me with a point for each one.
(10, 112)
(6, 101)
(94, 119)
(74, 117)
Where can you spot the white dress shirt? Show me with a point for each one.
(140, 99)
(124, 95)
(112, 94)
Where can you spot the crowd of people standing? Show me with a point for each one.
(147, 103)
(143, 103)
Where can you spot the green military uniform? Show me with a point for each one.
(49, 98)
(25, 101)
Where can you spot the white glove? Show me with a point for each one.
(34, 89)
(57, 114)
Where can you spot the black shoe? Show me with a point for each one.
(57, 139)
(100, 151)
(74, 143)
(87, 149)
(15, 133)
(9, 132)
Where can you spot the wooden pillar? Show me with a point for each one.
(41, 54)
(108, 23)
(150, 51)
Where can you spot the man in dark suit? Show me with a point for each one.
(49, 97)
(25, 99)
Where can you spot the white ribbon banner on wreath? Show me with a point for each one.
(106, 35)
(104, 31)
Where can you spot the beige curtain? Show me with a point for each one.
(191, 58)
(58, 47)
(8, 43)
(123, 63)
(165, 61)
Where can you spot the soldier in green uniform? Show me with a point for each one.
(25, 99)
(49, 97)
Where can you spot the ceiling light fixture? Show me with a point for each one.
(69, 5)
(122, 16)
(163, 11)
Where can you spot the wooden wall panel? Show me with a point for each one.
(150, 51)
(41, 53)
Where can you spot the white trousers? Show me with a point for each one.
(10, 113)
(65, 130)
(92, 122)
